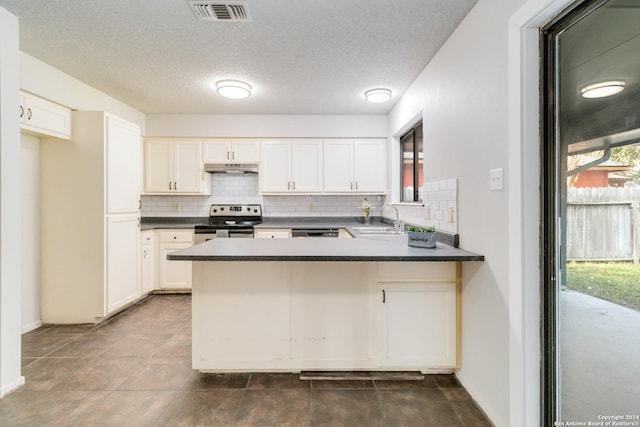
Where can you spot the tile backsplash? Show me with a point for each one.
(234, 189)
(440, 207)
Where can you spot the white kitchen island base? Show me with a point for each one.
(289, 316)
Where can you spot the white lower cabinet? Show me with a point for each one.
(123, 273)
(418, 327)
(147, 261)
(265, 316)
(275, 233)
(174, 274)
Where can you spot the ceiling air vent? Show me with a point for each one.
(226, 11)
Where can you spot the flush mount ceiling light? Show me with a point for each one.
(234, 89)
(378, 95)
(602, 89)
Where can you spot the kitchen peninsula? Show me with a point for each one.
(364, 303)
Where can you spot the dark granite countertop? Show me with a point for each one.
(364, 248)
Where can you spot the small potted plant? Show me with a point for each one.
(422, 237)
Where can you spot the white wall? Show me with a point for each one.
(462, 96)
(30, 150)
(10, 238)
(50, 83)
(266, 126)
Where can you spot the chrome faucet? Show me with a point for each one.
(397, 224)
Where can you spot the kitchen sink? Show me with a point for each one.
(376, 230)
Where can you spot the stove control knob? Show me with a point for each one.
(215, 210)
(221, 209)
(248, 209)
(255, 211)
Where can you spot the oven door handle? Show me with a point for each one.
(243, 231)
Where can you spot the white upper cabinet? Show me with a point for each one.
(175, 167)
(225, 151)
(370, 165)
(338, 166)
(291, 167)
(123, 164)
(44, 118)
(355, 166)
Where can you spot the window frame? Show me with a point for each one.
(415, 132)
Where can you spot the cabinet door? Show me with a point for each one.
(275, 174)
(123, 275)
(187, 163)
(174, 274)
(306, 166)
(245, 151)
(216, 151)
(338, 166)
(123, 142)
(158, 166)
(370, 167)
(45, 117)
(147, 261)
(418, 325)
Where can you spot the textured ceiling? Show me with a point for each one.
(300, 56)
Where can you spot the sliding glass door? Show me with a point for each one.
(591, 214)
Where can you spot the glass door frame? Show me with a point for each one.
(553, 166)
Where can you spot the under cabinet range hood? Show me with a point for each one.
(231, 168)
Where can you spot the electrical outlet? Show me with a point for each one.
(496, 177)
(450, 214)
(427, 211)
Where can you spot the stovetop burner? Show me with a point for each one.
(231, 217)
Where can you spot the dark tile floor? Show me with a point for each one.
(135, 370)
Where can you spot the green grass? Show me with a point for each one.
(618, 282)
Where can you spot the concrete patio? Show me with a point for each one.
(600, 358)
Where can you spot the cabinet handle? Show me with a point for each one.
(233, 155)
(139, 221)
(352, 185)
(175, 185)
(21, 111)
(139, 204)
(175, 237)
(356, 185)
(228, 155)
(294, 185)
(289, 185)
(169, 185)
(144, 254)
(384, 296)
(28, 113)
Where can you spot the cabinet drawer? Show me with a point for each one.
(146, 237)
(185, 236)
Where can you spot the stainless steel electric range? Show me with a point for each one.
(229, 221)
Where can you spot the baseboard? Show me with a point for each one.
(19, 382)
(31, 326)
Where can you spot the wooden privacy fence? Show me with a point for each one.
(603, 224)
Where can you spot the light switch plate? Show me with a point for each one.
(496, 177)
